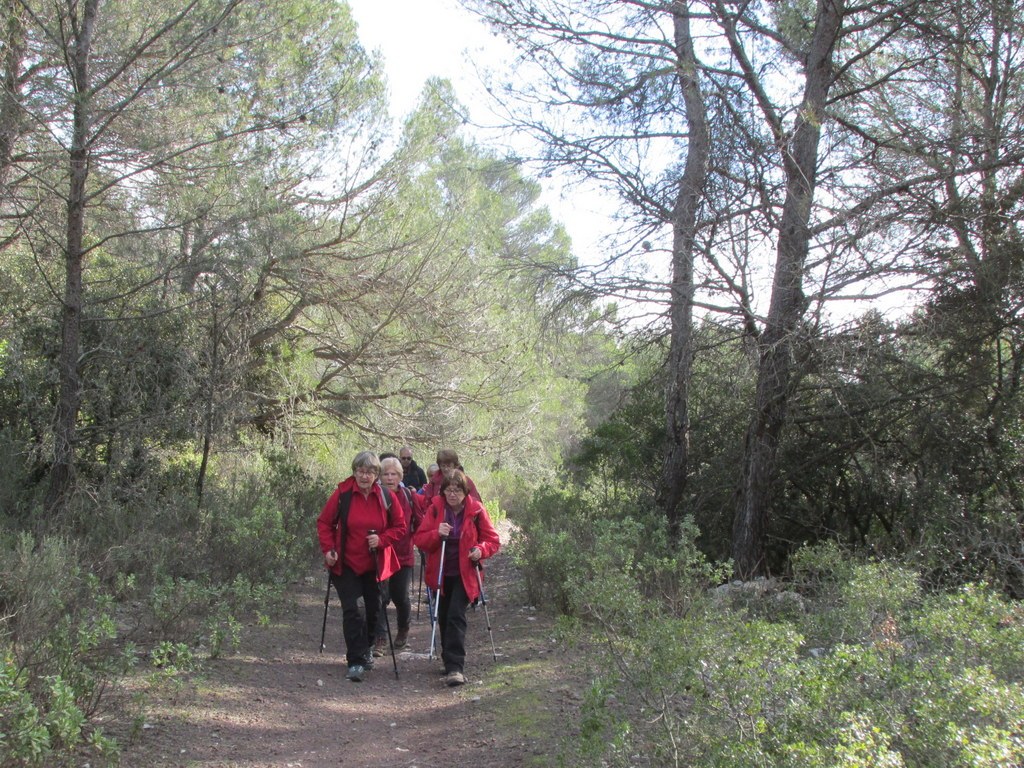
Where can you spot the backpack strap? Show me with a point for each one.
(412, 508)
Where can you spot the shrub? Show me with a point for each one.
(567, 539)
(56, 654)
(195, 613)
(896, 678)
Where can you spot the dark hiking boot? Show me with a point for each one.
(355, 673)
(402, 638)
(454, 678)
(380, 646)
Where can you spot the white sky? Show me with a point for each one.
(421, 39)
(438, 38)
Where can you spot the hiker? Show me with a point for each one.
(447, 462)
(456, 524)
(396, 589)
(413, 475)
(358, 528)
(431, 471)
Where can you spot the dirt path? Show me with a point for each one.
(278, 703)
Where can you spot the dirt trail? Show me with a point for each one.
(278, 703)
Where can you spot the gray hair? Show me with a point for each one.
(392, 462)
(366, 459)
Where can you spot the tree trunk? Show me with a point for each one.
(10, 97)
(777, 375)
(62, 473)
(211, 384)
(684, 225)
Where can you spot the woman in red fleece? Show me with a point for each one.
(396, 589)
(461, 522)
(358, 528)
(447, 462)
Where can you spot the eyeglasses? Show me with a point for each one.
(366, 471)
(405, 458)
(454, 489)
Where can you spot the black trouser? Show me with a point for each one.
(350, 587)
(451, 620)
(396, 590)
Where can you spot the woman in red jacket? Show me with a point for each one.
(461, 523)
(447, 462)
(396, 589)
(358, 529)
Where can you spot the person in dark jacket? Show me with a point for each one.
(413, 475)
(396, 589)
(358, 529)
(461, 523)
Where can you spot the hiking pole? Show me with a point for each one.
(327, 600)
(419, 589)
(483, 599)
(437, 601)
(383, 606)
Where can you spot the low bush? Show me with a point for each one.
(872, 672)
(56, 654)
(203, 615)
(146, 574)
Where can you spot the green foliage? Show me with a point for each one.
(902, 680)
(259, 525)
(622, 541)
(23, 736)
(622, 456)
(852, 599)
(188, 613)
(976, 626)
(173, 658)
(62, 650)
(794, 20)
(56, 651)
(38, 727)
(602, 732)
(543, 558)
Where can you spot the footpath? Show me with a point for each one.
(279, 703)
